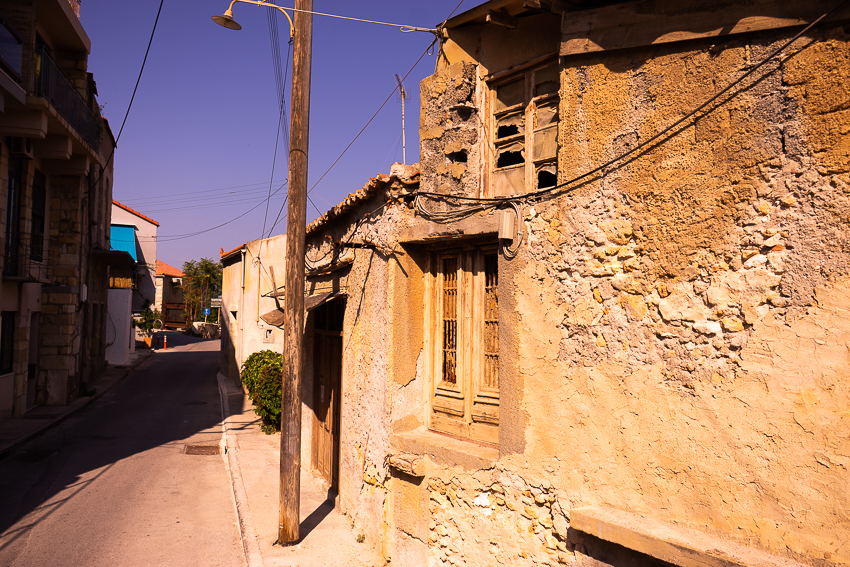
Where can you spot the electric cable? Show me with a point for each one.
(281, 92)
(132, 98)
(171, 238)
(204, 191)
(281, 219)
(403, 27)
(554, 189)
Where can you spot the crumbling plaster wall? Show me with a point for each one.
(684, 337)
(449, 131)
(678, 326)
(369, 395)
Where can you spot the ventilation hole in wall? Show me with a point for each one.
(464, 113)
(457, 157)
(507, 130)
(546, 179)
(510, 158)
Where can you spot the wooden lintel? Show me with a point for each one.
(502, 19)
(650, 22)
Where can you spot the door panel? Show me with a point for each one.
(328, 372)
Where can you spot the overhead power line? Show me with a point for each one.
(402, 27)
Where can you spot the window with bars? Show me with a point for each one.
(464, 315)
(525, 131)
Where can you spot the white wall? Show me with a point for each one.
(118, 329)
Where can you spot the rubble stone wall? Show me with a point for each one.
(682, 318)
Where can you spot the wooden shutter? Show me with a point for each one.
(485, 377)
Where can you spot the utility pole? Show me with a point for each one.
(403, 94)
(296, 225)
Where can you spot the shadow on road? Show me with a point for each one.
(170, 398)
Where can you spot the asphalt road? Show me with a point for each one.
(113, 486)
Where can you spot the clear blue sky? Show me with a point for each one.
(198, 147)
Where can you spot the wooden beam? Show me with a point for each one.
(670, 542)
(502, 19)
(650, 22)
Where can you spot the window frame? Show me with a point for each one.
(528, 108)
(466, 408)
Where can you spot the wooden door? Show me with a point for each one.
(327, 373)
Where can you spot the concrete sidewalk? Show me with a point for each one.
(16, 431)
(253, 459)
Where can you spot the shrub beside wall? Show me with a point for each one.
(261, 375)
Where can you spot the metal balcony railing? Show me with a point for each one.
(52, 84)
(25, 258)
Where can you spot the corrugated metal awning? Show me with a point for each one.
(276, 317)
(123, 237)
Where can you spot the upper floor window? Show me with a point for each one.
(524, 131)
(11, 49)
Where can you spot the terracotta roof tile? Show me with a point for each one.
(400, 177)
(163, 269)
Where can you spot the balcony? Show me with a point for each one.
(25, 258)
(51, 83)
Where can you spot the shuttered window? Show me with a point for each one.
(464, 342)
(525, 131)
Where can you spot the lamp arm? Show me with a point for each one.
(267, 4)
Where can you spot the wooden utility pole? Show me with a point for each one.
(293, 333)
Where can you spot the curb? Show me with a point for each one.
(230, 454)
(74, 406)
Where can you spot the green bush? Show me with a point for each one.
(146, 323)
(261, 375)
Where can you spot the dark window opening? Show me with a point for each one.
(13, 213)
(546, 179)
(329, 317)
(39, 206)
(7, 341)
(508, 130)
(458, 157)
(510, 158)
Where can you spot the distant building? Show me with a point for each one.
(135, 234)
(55, 189)
(252, 293)
(169, 295)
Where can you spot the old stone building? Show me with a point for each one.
(56, 183)
(608, 324)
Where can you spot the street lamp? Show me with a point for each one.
(228, 22)
(289, 525)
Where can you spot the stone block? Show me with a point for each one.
(410, 505)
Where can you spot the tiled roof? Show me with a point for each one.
(137, 213)
(400, 177)
(225, 255)
(163, 269)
